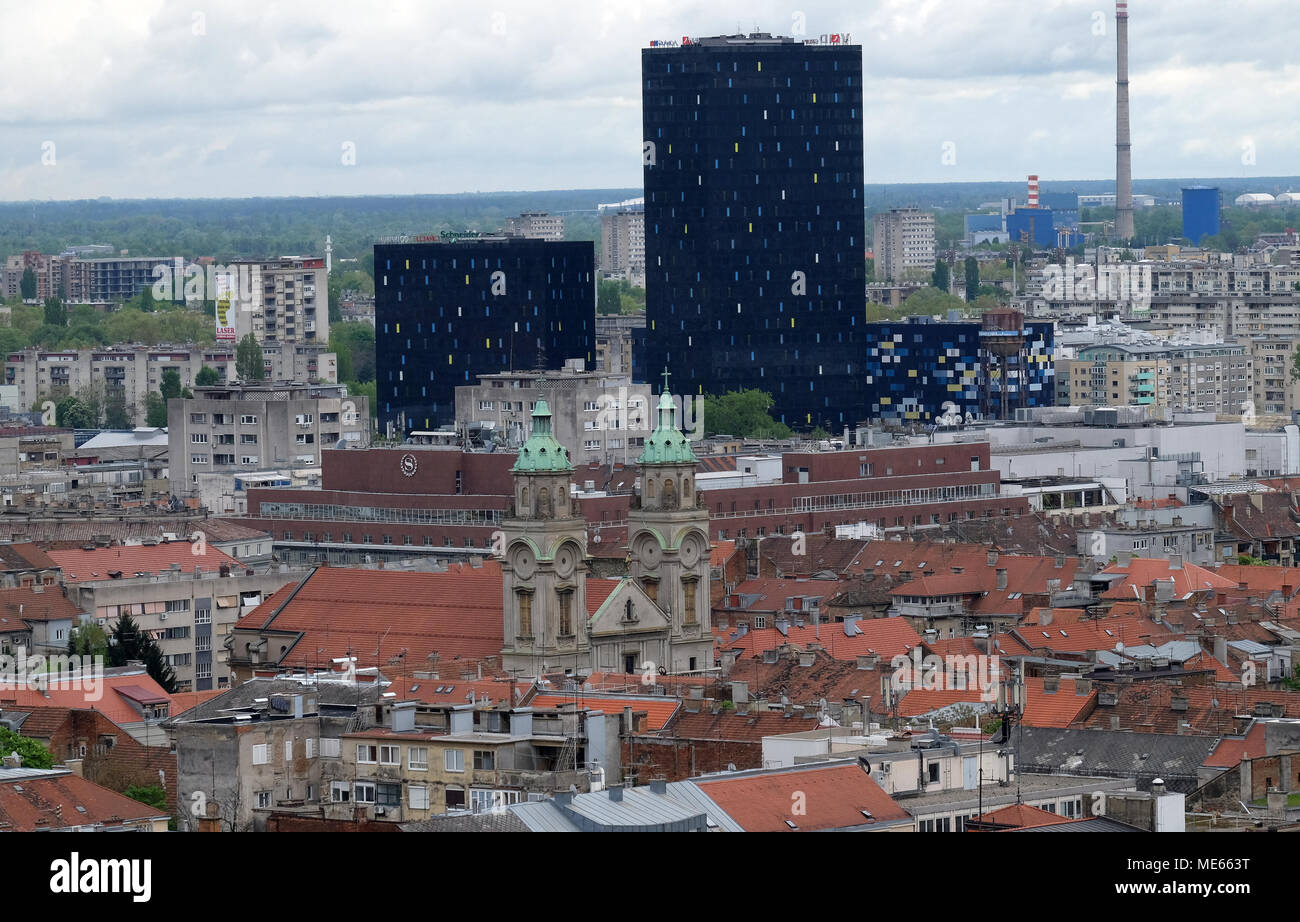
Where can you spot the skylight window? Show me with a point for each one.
(791, 824)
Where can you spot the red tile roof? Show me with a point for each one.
(1212, 710)
(1204, 660)
(659, 710)
(47, 605)
(721, 553)
(51, 802)
(1143, 571)
(918, 701)
(888, 637)
(457, 691)
(729, 726)
(1262, 580)
(1059, 709)
(378, 615)
(1023, 816)
(1094, 635)
(141, 695)
(81, 566)
(834, 797)
(116, 707)
(598, 590)
(1231, 750)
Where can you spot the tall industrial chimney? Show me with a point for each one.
(1033, 191)
(1123, 147)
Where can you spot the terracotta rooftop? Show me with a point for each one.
(383, 615)
(81, 566)
(836, 796)
(49, 604)
(1022, 816)
(1232, 749)
(888, 637)
(1144, 571)
(1060, 708)
(58, 799)
(659, 710)
(107, 697)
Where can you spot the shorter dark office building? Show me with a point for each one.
(916, 368)
(449, 310)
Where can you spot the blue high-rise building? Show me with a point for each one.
(1200, 212)
(754, 222)
(1032, 225)
(447, 312)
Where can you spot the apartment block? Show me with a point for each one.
(622, 241)
(1212, 377)
(597, 416)
(282, 301)
(245, 428)
(903, 243)
(1102, 383)
(536, 224)
(186, 594)
(1277, 393)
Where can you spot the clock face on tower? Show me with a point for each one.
(692, 550)
(566, 560)
(522, 562)
(409, 465)
(648, 551)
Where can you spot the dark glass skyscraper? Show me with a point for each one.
(754, 222)
(447, 312)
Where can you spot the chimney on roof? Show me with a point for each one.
(739, 694)
(1123, 559)
(1175, 561)
(1221, 649)
(1257, 500)
(1059, 562)
(1051, 684)
(1045, 616)
(993, 558)
(1002, 578)
(616, 793)
(1164, 589)
(807, 658)
(1083, 687)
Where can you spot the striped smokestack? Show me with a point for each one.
(1033, 191)
(1123, 147)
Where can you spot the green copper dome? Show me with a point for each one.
(542, 454)
(667, 445)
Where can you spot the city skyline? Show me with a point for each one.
(235, 101)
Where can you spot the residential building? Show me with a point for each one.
(188, 595)
(596, 416)
(243, 428)
(622, 241)
(536, 224)
(268, 745)
(283, 302)
(903, 243)
(448, 312)
(754, 222)
(1098, 382)
(1216, 378)
(615, 338)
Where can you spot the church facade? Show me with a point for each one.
(654, 621)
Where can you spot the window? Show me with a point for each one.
(309, 749)
(419, 797)
(261, 754)
(288, 750)
(484, 760)
(525, 613)
(364, 792)
(455, 799)
(565, 597)
(933, 769)
(248, 459)
(173, 605)
(198, 418)
(199, 438)
(492, 801)
(263, 799)
(417, 758)
(198, 459)
(388, 795)
(330, 748)
(390, 755)
(454, 760)
(248, 439)
(688, 601)
(248, 420)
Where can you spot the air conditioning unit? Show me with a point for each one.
(163, 616)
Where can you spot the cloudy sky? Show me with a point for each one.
(208, 98)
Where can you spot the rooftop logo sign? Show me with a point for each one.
(832, 38)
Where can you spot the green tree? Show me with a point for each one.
(206, 377)
(972, 279)
(88, 639)
(369, 390)
(56, 315)
(151, 794)
(608, 300)
(940, 277)
(116, 413)
(171, 384)
(33, 754)
(72, 413)
(333, 289)
(744, 414)
(146, 300)
(354, 345)
(155, 410)
(129, 642)
(27, 286)
(249, 361)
